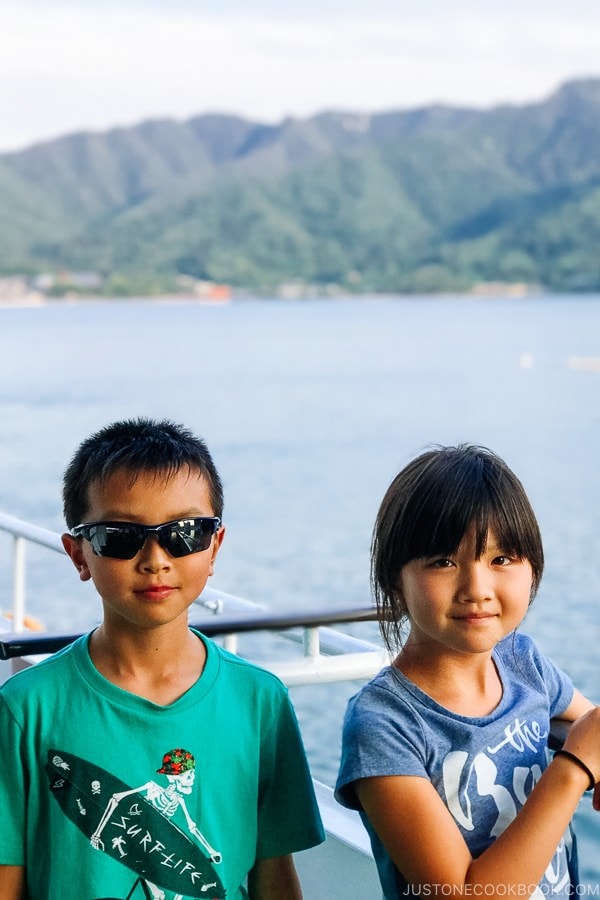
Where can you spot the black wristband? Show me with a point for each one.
(581, 764)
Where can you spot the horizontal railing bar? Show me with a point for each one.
(25, 644)
(33, 533)
(328, 669)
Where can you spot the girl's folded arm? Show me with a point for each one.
(426, 845)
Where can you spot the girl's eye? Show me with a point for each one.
(502, 560)
(442, 563)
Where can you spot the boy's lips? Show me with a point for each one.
(156, 591)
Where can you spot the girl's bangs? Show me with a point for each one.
(440, 525)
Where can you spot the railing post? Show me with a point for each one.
(230, 643)
(312, 643)
(18, 608)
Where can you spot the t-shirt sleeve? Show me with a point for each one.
(12, 790)
(288, 814)
(381, 736)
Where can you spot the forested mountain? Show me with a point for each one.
(429, 199)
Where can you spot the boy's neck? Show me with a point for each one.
(153, 664)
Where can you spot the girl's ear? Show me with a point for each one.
(400, 610)
(74, 550)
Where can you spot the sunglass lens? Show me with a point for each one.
(186, 536)
(118, 542)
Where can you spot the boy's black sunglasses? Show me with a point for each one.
(123, 540)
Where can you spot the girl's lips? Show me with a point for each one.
(475, 618)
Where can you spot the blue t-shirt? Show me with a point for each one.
(483, 768)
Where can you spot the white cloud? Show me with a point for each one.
(68, 66)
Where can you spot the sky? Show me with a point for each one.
(75, 65)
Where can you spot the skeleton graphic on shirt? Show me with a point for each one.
(180, 769)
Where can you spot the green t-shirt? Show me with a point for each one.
(106, 794)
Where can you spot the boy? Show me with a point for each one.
(143, 761)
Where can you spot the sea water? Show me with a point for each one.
(310, 408)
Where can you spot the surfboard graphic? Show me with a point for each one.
(135, 834)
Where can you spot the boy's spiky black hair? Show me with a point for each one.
(136, 445)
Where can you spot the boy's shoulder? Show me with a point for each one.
(42, 676)
(227, 664)
(62, 672)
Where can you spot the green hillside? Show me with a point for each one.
(422, 200)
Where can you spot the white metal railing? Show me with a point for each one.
(22, 533)
(329, 655)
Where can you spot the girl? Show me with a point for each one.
(445, 751)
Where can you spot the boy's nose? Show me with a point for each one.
(152, 557)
